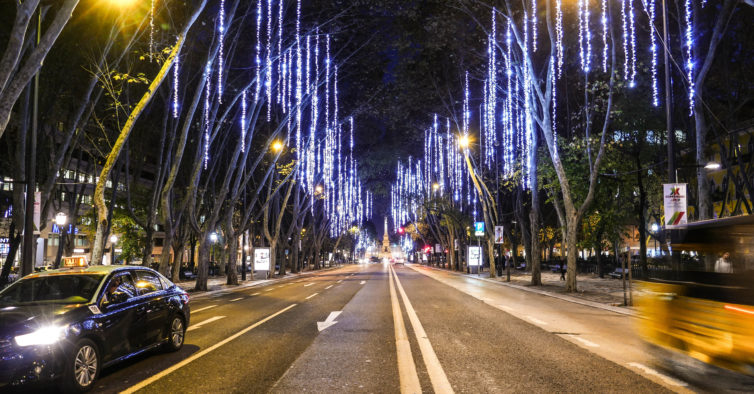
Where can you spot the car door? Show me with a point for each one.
(151, 290)
(115, 323)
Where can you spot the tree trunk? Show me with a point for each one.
(203, 266)
(572, 253)
(232, 273)
(177, 262)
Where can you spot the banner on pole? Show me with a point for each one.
(675, 204)
(498, 234)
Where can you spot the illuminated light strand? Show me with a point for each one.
(653, 47)
(582, 51)
(466, 106)
(553, 82)
(258, 84)
(175, 85)
(298, 80)
(626, 42)
(587, 36)
(534, 25)
(603, 19)
(558, 35)
(221, 28)
(689, 44)
(243, 121)
(208, 80)
(632, 25)
(268, 61)
(327, 81)
(508, 169)
(280, 47)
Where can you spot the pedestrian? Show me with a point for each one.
(562, 271)
(723, 264)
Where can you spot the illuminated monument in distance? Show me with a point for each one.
(385, 252)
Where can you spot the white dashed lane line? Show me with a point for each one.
(536, 321)
(236, 299)
(328, 287)
(664, 378)
(203, 309)
(201, 323)
(257, 293)
(308, 284)
(311, 296)
(584, 341)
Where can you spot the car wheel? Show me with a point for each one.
(82, 367)
(176, 334)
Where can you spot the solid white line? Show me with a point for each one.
(406, 368)
(362, 282)
(203, 309)
(664, 378)
(308, 284)
(328, 287)
(536, 321)
(437, 376)
(584, 341)
(311, 296)
(201, 323)
(165, 372)
(236, 299)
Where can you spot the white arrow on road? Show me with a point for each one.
(321, 325)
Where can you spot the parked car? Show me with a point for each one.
(66, 325)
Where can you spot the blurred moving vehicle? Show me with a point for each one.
(699, 314)
(66, 325)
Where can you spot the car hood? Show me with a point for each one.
(25, 318)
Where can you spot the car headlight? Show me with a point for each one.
(43, 336)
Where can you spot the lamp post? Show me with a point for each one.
(710, 166)
(654, 228)
(113, 240)
(213, 240)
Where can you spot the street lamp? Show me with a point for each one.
(710, 166)
(318, 189)
(435, 186)
(654, 228)
(277, 146)
(113, 240)
(61, 219)
(213, 240)
(463, 142)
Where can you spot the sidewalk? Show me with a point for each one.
(604, 293)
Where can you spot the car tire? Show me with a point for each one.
(82, 367)
(176, 334)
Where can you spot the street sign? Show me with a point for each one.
(479, 229)
(262, 259)
(498, 234)
(674, 196)
(475, 256)
(438, 248)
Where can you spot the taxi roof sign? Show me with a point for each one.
(74, 261)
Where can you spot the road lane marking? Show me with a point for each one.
(505, 308)
(328, 287)
(536, 321)
(362, 282)
(270, 289)
(584, 341)
(437, 376)
(330, 321)
(409, 379)
(201, 323)
(311, 296)
(203, 309)
(257, 293)
(165, 372)
(236, 299)
(308, 284)
(664, 378)
(340, 281)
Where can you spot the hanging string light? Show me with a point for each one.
(221, 29)
(689, 38)
(558, 35)
(603, 19)
(534, 25)
(258, 84)
(151, 31)
(632, 25)
(653, 47)
(626, 40)
(268, 62)
(175, 85)
(208, 81)
(243, 121)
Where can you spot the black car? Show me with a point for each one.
(66, 325)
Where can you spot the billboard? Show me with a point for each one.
(262, 259)
(475, 256)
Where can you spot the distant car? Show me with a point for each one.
(66, 325)
(375, 259)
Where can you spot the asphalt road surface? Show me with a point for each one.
(388, 329)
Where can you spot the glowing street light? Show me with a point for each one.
(318, 189)
(113, 240)
(61, 219)
(277, 146)
(463, 142)
(712, 166)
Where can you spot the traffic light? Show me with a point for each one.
(401, 231)
(427, 249)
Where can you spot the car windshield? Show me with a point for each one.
(52, 289)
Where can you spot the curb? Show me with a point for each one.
(258, 283)
(623, 311)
